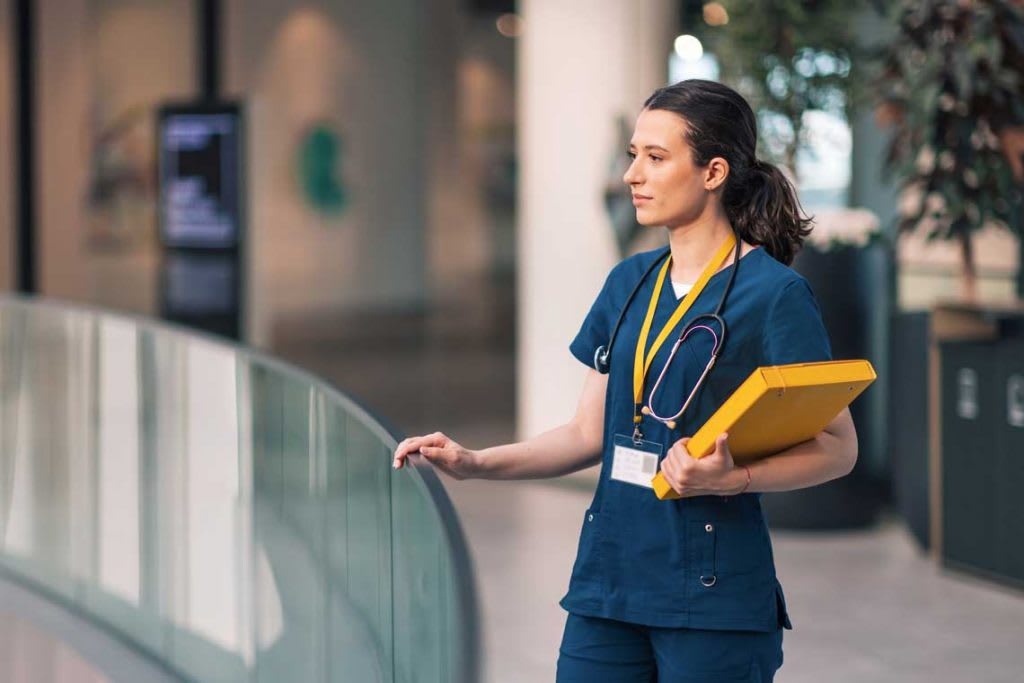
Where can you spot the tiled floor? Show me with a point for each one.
(867, 607)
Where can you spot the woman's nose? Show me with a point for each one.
(630, 176)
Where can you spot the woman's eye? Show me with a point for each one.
(630, 155)
(654, 158)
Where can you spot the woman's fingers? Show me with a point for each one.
(416, 443)
(404, 449)
(675, 467)
(447, 459)
(452, 459)
(669, 469)
(447, 455)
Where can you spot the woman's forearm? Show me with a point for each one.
(556, 452)
(825, 457)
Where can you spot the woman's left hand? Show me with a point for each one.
(712, 475)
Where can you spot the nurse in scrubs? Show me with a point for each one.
(680, 590)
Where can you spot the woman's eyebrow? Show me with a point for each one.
(650, 147)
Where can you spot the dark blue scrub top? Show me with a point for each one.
(641, 559)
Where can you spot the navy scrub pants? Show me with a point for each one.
(598, 650)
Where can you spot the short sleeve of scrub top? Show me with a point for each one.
(794, 332)
(597, 326)
(706, 561)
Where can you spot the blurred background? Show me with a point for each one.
(416, 202)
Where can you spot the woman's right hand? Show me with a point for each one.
(447, 455)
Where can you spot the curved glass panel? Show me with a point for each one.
(234, 517)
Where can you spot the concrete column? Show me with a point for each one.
(358, 70)
(868, 188)
(581, 64)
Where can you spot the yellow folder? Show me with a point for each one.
(777, 407)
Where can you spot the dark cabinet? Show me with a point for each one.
(1009, 493)
(982, 457)
(970, 407)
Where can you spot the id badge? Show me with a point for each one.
(635, 461)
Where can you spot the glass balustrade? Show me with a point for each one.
(234, 517)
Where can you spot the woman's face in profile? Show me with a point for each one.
(668, 188)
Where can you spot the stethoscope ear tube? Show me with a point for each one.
(602, 357)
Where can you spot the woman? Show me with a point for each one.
(681, 590)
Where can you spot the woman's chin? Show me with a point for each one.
(648, 221)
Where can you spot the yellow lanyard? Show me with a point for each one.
(641, 366)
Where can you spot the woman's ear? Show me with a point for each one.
(715, 173)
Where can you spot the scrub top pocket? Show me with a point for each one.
(730, 547)
(588, 568)
(731, 578)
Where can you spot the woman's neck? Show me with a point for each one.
(694, 245)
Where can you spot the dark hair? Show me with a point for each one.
(761, 203)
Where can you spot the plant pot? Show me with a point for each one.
(908, 436)
(849, 288)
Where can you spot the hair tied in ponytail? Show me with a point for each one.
(762, 168)
(759, 199)
(765, 168)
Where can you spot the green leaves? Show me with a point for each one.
(954, 72)
(789, 57)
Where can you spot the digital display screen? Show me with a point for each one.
(195, 284)
(200, 171)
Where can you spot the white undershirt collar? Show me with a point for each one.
(681, 288)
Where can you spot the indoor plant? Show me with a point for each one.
(952, 79)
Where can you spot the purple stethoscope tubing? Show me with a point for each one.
(602, 355)
(675, 347)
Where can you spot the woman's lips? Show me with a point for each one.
(639, 198)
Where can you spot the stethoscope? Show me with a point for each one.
(602, 356)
